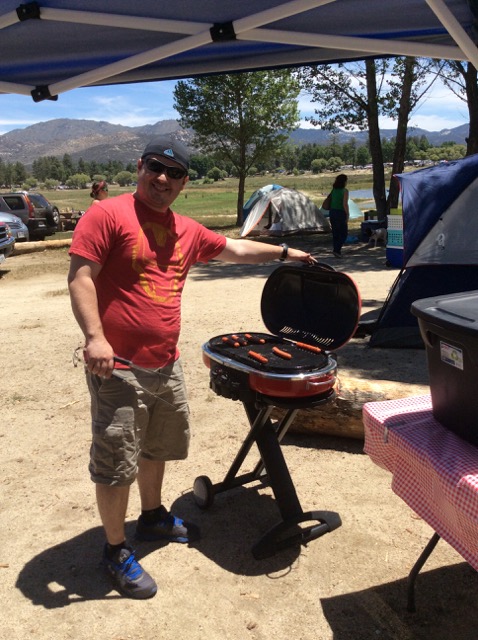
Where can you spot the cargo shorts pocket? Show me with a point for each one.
(114, 449)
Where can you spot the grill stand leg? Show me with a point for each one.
(412, 576)
(272, 464)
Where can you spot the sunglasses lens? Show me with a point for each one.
(175, 173)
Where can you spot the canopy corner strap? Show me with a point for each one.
(245, 28)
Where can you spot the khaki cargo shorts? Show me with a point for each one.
(150, 419)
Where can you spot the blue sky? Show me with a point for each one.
(147, 103)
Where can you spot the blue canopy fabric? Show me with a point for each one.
(51, 46)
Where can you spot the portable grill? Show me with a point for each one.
(310, 310)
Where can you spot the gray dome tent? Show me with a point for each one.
(284, 212)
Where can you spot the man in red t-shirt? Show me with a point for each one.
(130, 256)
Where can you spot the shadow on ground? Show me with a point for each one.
(71, 571)
(445, 608)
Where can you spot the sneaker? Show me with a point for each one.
(128, 576)
(336, 254)
(168, 527)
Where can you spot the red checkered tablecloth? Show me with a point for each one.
(433, 470)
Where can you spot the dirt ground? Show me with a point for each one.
(349, 584)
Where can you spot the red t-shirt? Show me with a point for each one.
(145, 258)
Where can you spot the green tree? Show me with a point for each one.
(83, 167)
(354, 95)
(349, 97)
(201, 164)
(240, 118)
(215, 174)
(409, 81)
(68, 166)
(19, 173)
(78, 180)
(462, 79)
(363, 156)
(334, 163)
(318, 165)
(123, 178)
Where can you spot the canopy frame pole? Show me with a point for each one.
(455, 29)
(360, 45)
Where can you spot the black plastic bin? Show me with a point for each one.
(449, 328)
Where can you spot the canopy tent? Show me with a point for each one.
(51, 46)
(283, 211)
(440, 246)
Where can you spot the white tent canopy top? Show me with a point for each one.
(51, 46)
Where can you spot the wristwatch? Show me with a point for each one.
(285, 249)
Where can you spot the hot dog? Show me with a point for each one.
(281, 354)
(255, 339)
(258, 357)
(309, 347)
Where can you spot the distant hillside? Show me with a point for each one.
(435, 138)
(87, 139)
(102, 141)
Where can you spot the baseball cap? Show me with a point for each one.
(169, 148)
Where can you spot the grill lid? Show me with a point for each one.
(311, 303)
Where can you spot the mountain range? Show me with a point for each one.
(103, 141)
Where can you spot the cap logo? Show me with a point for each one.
(169, 152)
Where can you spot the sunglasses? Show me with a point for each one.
(155, 166)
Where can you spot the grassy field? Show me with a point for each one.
(214, 205)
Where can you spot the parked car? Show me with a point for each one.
(7, 242)
(19, 230)
(20, 205)
(46, 209)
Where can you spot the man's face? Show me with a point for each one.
(158, 190)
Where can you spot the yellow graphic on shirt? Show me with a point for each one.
(159, 281)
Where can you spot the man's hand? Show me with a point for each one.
(99, 358)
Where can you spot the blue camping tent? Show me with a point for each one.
(440, 246)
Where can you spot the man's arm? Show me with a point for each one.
(250, 252)
(84, 302)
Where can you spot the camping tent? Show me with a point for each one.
(355, 211)
(257, 195)
(440, 240)
(284, 212)
(51, 46)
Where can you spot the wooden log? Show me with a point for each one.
(42, 245)
(343, 415)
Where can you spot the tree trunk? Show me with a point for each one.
(240, 199)
(375, 141)
(402, 128)
(472, 100)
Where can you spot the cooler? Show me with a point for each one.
(394, 256)
(449, 328)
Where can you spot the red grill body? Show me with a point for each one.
(310, 311)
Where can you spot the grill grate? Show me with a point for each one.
(307, 336)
